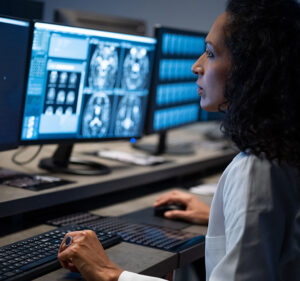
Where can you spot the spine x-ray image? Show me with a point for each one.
(135, 69)
(103, 67)
(96, 116)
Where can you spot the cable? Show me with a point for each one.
(18, 152)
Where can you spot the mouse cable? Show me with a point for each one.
(19, 151)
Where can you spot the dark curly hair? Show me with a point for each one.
(263, 89)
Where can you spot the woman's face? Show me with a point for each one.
(213, 67)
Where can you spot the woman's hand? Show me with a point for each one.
(196, 211)
(86, 255)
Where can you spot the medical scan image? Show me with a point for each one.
(59, 111)
(128, 116)
(70, 97)
(63, 78)
(135, 69)
(53, 77)
(103, 67)
(96, 116)
(51, 94)
(49, 110)
(73, 80)
(60, 99)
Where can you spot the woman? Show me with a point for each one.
(250, 71)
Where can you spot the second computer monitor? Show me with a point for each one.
(15, 36)
(174, 99)
(86, 85)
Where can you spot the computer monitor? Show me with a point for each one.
(85, 85)
(173, 98)
(14, 46)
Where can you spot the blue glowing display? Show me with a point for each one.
(174, 98)
(86, 84)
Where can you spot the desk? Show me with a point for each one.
(149, 261)
(131, 257)
(15, 201)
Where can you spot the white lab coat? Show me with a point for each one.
(254, 226)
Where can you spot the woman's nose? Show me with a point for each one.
(197, 68)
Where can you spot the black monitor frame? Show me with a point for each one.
(61, 159)
(16, 144)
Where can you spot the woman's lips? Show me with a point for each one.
(200, 90)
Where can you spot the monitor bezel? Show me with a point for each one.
(81, 140)
(28, 55)
(159, 30)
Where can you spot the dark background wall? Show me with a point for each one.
(192, 14)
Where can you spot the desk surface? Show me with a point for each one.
(130, 257)
(14, 201)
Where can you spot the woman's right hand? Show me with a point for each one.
(196, 211)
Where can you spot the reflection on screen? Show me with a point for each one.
(14, 36)
(86, 84)
(174, 92)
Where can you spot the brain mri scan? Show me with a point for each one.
(96, 114)
(128, 116)
(135, 69)
(103, 67)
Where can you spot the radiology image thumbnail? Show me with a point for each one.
(128, 117)
(103, 66)
(96, 116)
(135, 69)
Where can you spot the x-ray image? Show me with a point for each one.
(60, 99)
(71, 97)
(69, 110)
(49, 110)
(135, 69)
(103, 67)
(51, 95)
(59, 111)
(128, 116)
(63, 78)
(73, 79)
(95, 122)
(53, 77)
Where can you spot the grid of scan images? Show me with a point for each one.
(118, 80)
(86, 86)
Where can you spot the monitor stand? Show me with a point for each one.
(163, 148)
(62, 162)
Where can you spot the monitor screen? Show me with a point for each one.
(174, 98)
(211, 116)
(15, 36)
(86, 85)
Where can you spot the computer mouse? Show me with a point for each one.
(160, 210)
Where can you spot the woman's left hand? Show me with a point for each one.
(86, 255)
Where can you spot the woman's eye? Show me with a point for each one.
(209, 53)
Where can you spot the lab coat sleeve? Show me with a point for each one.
(254, 225)
(130, 276)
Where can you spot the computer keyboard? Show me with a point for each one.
(37, 255)
(73, 219)
(147, 235)
(137, 233)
